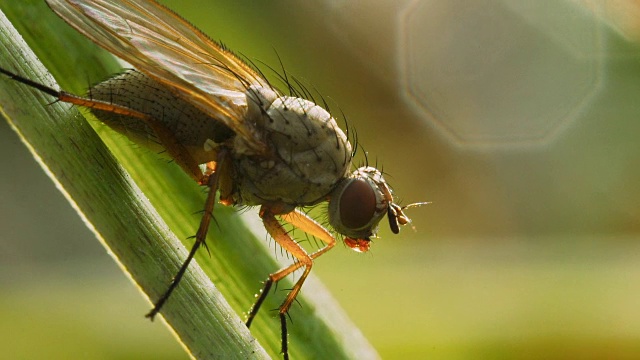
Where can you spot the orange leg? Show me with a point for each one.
(213, 182)
(279, 234)
(177, 152)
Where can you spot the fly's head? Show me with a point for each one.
(359, 202)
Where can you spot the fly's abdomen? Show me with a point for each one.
(137, 91)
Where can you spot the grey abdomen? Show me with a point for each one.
(137, 91)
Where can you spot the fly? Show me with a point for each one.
(259, 147)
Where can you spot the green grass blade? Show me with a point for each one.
(144, 209)
(119, 213)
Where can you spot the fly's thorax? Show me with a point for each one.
(358, 204)
(192, 128)
(259, 100)
(309, 154)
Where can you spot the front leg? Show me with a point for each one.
(280, 235)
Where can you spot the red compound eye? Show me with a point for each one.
(357, 204)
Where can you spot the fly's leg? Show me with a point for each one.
(213, 182)
(166, 137)
(280, 235)
(311, 227)
(175, 150)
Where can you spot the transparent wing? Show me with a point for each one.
(164, 46)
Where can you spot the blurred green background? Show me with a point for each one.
(520, 123)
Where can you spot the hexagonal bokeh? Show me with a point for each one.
(494, 72)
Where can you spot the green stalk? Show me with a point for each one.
(143, 209)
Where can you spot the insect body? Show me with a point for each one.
(203, 105)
